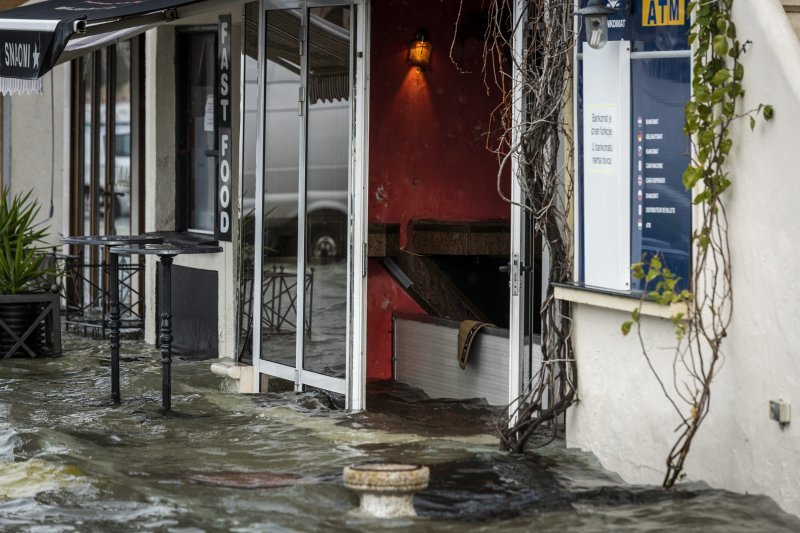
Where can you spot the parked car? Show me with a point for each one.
(327, 165)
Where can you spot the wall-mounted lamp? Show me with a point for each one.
(419, 50)
(595, 19)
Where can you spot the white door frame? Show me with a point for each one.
(353, 386)
(516, 326)
(357, 356)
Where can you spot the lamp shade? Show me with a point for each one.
(595, 18)
(419, 50)
(596, 30)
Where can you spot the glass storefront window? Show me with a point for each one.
(197, 130)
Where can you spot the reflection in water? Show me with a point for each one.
(327, 312)
(71, 460)
(326, 316)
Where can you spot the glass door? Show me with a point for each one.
(305, 199)
(106, 108)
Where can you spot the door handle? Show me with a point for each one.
(507, 268)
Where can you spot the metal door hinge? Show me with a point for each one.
(301, 98)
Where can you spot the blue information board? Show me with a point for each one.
(661, 215)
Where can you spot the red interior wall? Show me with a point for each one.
(428, 156)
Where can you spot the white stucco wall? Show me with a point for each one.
(32, 150)
(160, 172)
(623, 417)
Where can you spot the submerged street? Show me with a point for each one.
(72, 461)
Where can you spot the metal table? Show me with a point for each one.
(112, 241)
(166, 253)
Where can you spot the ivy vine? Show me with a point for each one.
(706, 310)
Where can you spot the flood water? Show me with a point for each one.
(71, 461)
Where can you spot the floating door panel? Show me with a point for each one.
(426, 348)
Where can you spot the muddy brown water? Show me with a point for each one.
(72, 461)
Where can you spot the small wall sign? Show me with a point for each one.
(663, 12)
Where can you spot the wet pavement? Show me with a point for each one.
(72, 461)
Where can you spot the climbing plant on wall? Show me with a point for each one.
(534, 80)
(702, 324)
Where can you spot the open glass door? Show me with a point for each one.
(520, 260)
(304, 199)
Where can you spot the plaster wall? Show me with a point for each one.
(623, 417)
(33, 150)
(160, 173)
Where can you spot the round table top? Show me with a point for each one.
(113, 240)
(166, 249)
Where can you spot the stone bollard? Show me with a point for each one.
(386, 490)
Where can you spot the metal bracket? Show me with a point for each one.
(515, 275)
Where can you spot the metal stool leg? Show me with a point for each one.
(113, 327)
(165, 339)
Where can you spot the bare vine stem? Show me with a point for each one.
(542, 74)
(711, 112)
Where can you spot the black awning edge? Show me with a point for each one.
(33, 36)
(29, 54)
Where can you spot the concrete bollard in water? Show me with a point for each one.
(386, 490)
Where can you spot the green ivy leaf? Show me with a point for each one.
(626, 327)
(706, 137)
(701, 197)
(655, 263)
(738, 72)
(720, 77)
(769, 112)
(691, 176)
(720, 44)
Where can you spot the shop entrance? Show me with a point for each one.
(453, 269)
(304, 197)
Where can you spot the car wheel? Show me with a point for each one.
(327, 236)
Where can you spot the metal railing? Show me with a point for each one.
(87, 297)
(278, 304)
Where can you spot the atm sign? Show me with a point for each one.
(663, 12)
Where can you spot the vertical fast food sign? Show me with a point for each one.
(224, 141)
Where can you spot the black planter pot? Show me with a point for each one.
(19, 317)
(18, 313)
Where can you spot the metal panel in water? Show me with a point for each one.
(425, 352)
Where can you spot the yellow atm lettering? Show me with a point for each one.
(663, 12)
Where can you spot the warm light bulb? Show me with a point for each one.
(597, 35)
(419, 51)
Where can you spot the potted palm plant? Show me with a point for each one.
(29, 309)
